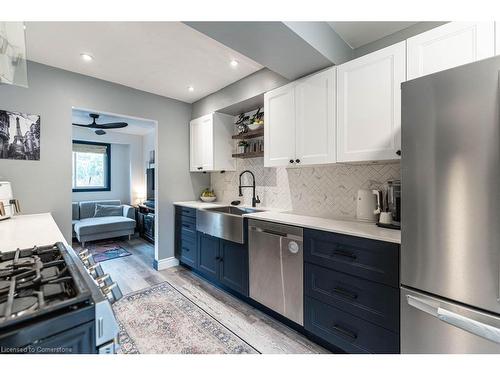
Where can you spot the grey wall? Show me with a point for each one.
(244, 89)
(395, 38)
(45, 185)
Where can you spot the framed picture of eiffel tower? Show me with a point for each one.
(19, 136)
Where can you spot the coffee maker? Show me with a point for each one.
(394, 201)
(8, 205)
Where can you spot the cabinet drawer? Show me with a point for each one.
(347, 332)
(371, 301)
(185, 211)
(188, 251)
(369, 259)
(188, 230)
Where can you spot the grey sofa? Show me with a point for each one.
(86, 227)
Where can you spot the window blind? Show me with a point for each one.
(95, 149)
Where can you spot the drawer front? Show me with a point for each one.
(188, 230)
(347, 332)
(188, 251)
(369, 259)
(371, 301)
(185, 211)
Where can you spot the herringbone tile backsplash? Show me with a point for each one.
(328, 191)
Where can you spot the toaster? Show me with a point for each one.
(8, 205)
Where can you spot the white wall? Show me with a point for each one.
(45, 185)
(127, 168)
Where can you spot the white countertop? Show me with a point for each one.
(25, 231)
(348, 227)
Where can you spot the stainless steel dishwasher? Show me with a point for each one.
(276, 267)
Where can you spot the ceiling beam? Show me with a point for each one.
(292, 49)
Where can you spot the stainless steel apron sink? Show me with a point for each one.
(223, 222)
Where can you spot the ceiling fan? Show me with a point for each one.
(99, 127)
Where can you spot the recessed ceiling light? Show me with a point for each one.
(190, 88)
(86, 57)
(233, 63)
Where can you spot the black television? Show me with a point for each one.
(150, 184)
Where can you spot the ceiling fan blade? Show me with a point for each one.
(83, 125)
(110, 125)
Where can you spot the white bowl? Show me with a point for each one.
(254, 126)
(208, 199)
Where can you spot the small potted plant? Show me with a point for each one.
(242, 147)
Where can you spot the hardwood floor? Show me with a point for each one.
(265, 334)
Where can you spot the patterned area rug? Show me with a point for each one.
(107, 250)
(160, 320)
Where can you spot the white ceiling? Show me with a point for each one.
(357, 34)
(135, 126)
(159, 57)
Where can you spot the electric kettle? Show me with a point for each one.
(8, 205)
(368, 205)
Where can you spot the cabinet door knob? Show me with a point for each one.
(398, 152)
(297, 161)
(200, 168)
(291, 161)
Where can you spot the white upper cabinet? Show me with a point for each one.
(369, 105)
(448, 46)
(315, 119)
(279, 126)
(299, 122)
(211, 144)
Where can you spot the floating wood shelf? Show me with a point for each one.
(250, 134)
(247, 155)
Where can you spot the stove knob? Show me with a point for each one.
(95, 270)
(104, 280)
(88, 260)
(112, 292)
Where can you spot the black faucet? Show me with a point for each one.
(255, 200)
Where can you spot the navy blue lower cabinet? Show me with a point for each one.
(233, 260)
(370, 259)
(346, 331)
(208, 256)
(224, 262)
(186, 249)
(374, 302)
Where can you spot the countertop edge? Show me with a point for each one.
(298, 220)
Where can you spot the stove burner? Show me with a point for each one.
(20, 305)
(4, 286)
(35, 281)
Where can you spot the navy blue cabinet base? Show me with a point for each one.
(220, 261)
(351, 284)
(352, 292)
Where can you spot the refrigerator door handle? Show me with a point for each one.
(423, 305)
(470, 325)
(473, 326)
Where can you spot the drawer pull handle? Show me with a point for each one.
(345, 293)
(186, 226)
(345, 254)
(186, 249)
(345, 332)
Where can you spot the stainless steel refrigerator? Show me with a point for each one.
(450, 250)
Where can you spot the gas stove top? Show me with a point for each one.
(52, 298)
(38, 281)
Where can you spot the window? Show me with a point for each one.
(91, 166)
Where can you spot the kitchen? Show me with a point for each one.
(322, 204)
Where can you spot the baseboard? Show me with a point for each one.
(163, 264)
